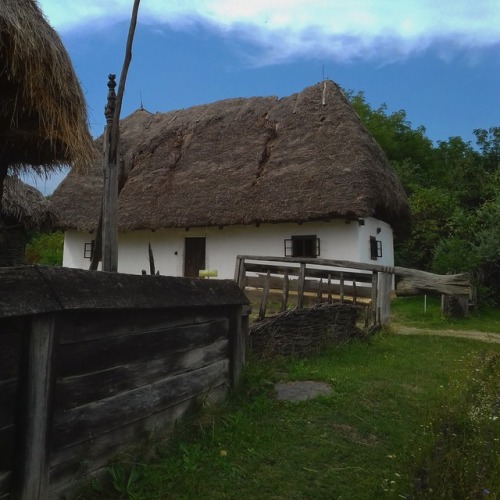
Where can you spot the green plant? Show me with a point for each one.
(125, 480)
(45, 248)
(393, 404)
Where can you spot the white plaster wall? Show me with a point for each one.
(384, 235)
(338, 240)
(73, 250)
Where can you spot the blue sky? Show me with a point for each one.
(437, 59)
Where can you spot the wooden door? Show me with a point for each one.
(194, 256)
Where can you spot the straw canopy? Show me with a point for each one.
(24, 205)
(43, 121)
(253, 160)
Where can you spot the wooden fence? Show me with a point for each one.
(298, 280)
(322, 280)
(92, 362)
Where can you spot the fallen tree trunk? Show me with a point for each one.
(413, 282)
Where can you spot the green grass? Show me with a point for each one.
(426, 313)
(408, 417)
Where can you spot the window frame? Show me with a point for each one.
(291, 246)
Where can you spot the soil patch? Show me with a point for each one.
(482, 336)
(301, 390)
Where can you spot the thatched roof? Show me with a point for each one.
(243, 161)
(24, 205)
(43, 121)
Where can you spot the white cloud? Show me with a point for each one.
(283, 29)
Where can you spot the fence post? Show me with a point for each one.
(239, 272)
(35, 410)
(265, 294)
(374, 304)
(238, 332)
(384, 298)
(301, 284)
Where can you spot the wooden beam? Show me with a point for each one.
(36, 410)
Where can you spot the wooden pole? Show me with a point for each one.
(110, 193)
(113, 172)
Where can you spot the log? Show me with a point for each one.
(413, 282)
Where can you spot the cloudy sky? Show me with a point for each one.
(437, 59)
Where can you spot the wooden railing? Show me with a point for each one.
(369, 285)
(320, 280)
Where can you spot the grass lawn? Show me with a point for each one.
(408, 417)
(423, 312)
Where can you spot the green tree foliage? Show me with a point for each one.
(45, 248)
(454, 192)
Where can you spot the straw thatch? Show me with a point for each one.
(23, 205)
(243, 161)
(43, 122)
(23, 208)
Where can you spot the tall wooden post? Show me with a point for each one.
(110, 193)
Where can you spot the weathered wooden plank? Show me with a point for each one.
(239, 272)
(36, 289)
(70, 467)
(311, 286)
(89, 421)
(265, 293)
(79, 326)
(79, 390)
(341, 287)
(10, 353)
(23, 292)
(93, 356)
(320, 262)
(5, 483)
(7, 435)
(8, 396)
(36, 389)
(309, 272)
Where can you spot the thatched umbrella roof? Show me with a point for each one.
(43, 122)
(24, 205)
(243, 161)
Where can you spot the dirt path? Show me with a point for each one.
(483, 336)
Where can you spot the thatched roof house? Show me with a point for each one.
(43, 122)
(243, 162)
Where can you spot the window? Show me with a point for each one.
(375, 248)
(88, 250)
(302, 246)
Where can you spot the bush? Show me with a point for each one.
(45, 248)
